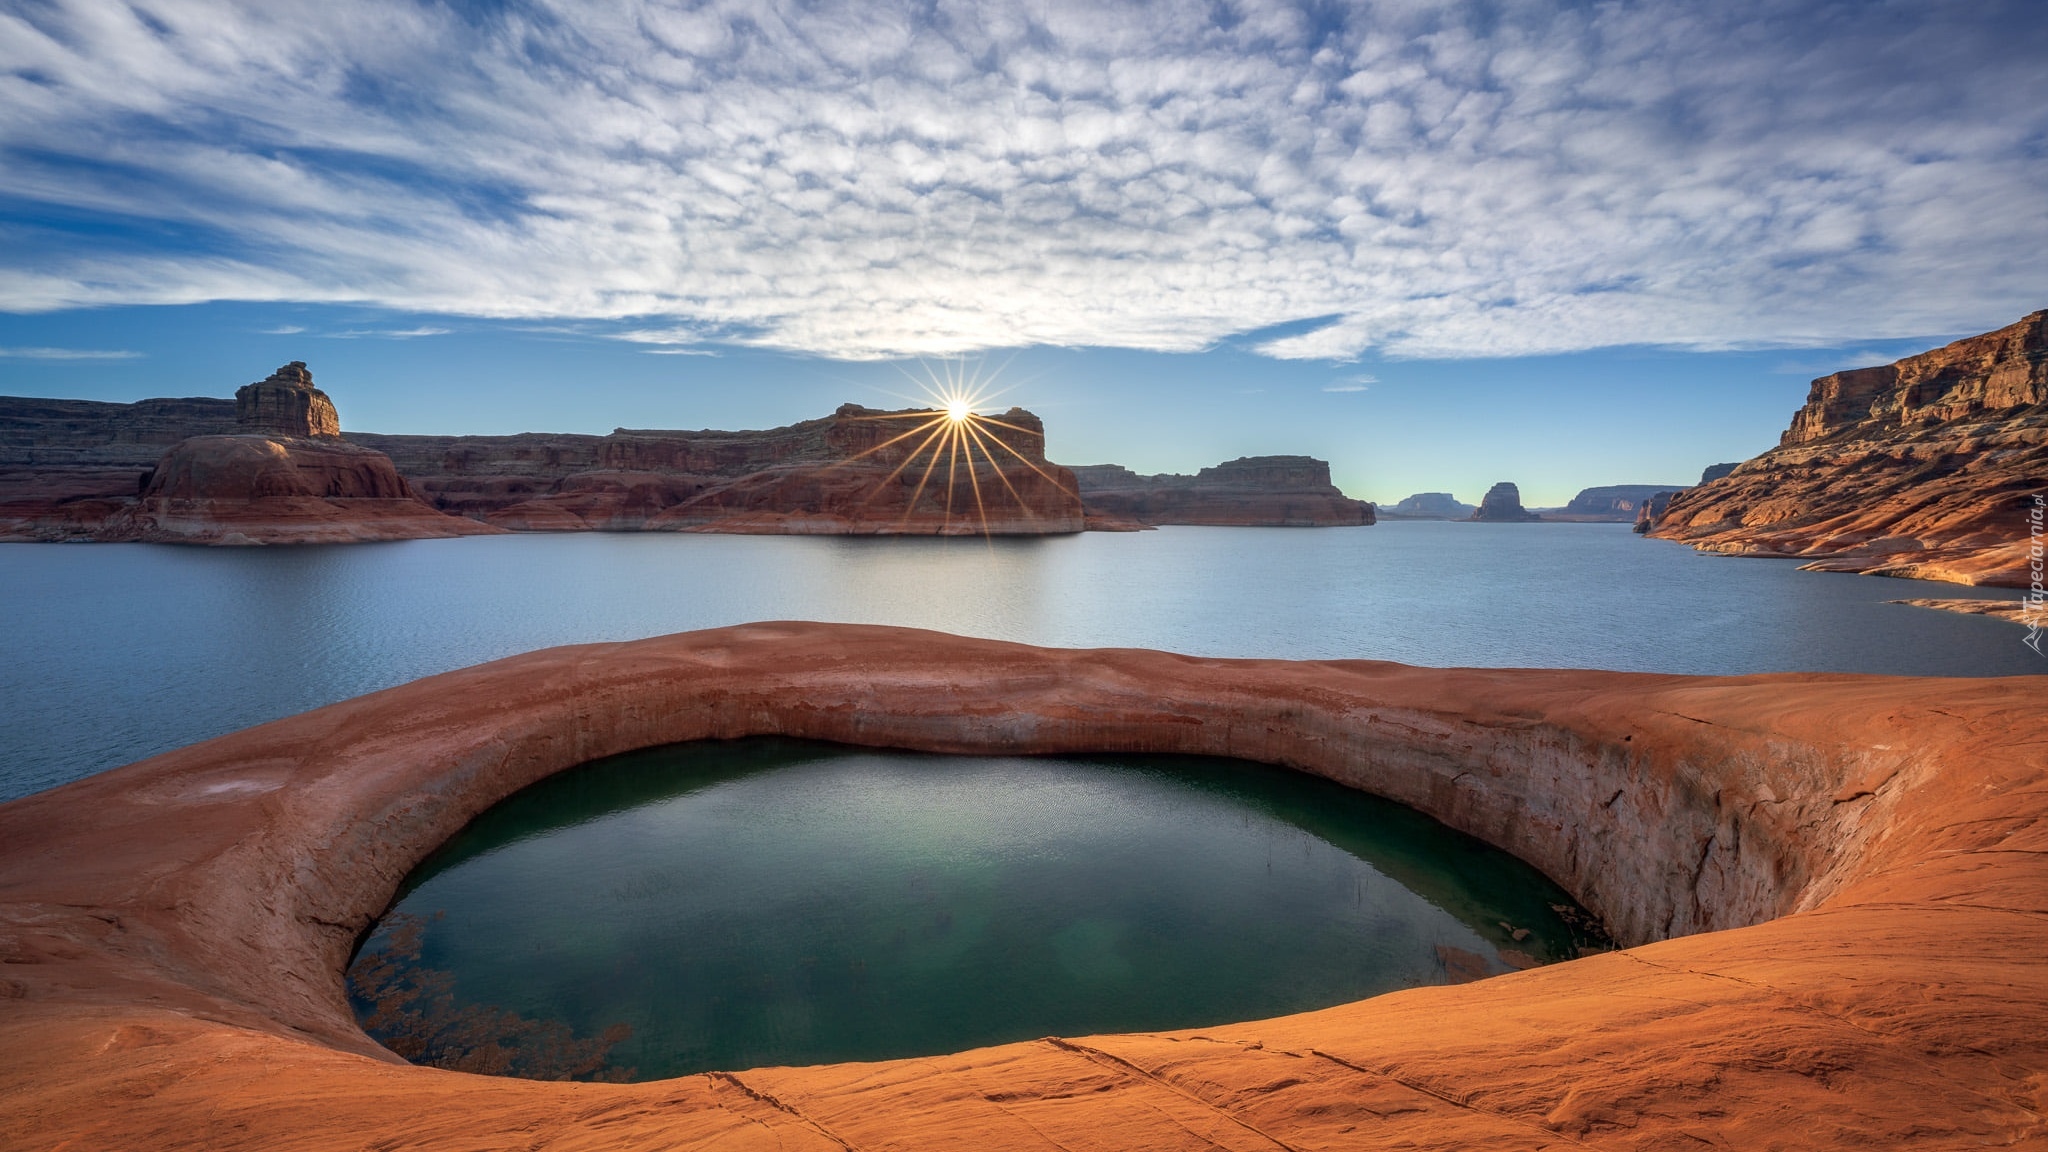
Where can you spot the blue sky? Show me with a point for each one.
(1438, 244)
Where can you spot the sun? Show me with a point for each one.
(950, 439)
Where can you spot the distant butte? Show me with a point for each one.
(1928, 467)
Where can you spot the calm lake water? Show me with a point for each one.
(776, 902)
(118, 651)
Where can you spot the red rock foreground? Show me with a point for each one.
(1836, 889)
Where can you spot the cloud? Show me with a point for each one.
(66, 354)
(387, 333)
(892, 178)
(678, 352)
(1360, 383)
(283, 330)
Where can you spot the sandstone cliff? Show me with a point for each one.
(266, 467)
(1277, 491)
(1502, 504)
(859, 471)
(1926, 468)
(1612, 503)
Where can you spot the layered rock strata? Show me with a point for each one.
(1502, 504)
(286, 404)
(278, 490)
(860, 471)
(1833, 890)
(1275, 491)
(1429, 506)
(268, 467)
(1930, 467)
(1611, 503)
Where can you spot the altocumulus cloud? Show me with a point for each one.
(866, 179)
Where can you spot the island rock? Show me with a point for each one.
(1430, 506)
(1502, 504)
(1261, 491)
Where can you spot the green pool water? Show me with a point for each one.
(769, 901)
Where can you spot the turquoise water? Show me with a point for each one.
(777, 902)
(119, 651)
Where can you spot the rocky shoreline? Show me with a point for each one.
(273, 466)
(1929, 468)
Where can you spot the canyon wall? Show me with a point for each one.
(268, 467)
(81, 470)
(859, 471)
(1611, 503)
(1927, 467)
(1278, 491)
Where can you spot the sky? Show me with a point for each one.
(1438, 244)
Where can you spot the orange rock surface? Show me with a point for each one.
(279, 490)
(1927, 468)
(859, 471)
(1834, 890)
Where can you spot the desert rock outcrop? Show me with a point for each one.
(279, 490)
(859, 471)
(1831, 891)
(1929, 467)
(1276, 491)
(286, 404)
(1615, 503)
(1430, 506)
(1502, 504)
(268, 467)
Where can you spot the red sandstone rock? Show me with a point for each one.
(286, 404)
(1926, 468)
(859, 471)
(1833, 890)
(1271, 491)
(275, 490)
(179, 471)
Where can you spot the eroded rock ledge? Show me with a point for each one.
(1932, 467)
(1835, 884)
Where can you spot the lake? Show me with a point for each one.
(119, 651)
(771, 901)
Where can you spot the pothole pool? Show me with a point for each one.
(728, 905)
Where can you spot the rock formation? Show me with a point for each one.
(1275, 491)
(1429, 506)
(2029, 614)
(286, 404)
(279, 490)
(1612, 503)
(1713, 472)
(267, 467)
(859, 471)
(1502, 504)
(1830, 889)
(1928, 468)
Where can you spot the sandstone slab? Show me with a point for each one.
(1833, 891)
